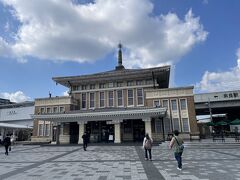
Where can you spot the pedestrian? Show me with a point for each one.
(7, 143)
(177, 145)
(147, 145)
(85, 141)
(107, 136)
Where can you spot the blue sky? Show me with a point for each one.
(44, 39)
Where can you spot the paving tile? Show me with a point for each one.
(214, 161)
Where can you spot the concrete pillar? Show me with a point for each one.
(81, 131)
(64, 137)
(148, 127)
(117, 132)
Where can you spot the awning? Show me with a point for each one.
(235, 122)
(15, 126)
(103, 115)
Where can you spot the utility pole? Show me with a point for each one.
(210, 109)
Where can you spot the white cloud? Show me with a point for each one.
(18, 96)
(65, 93)
(66, 31)
(221, 81)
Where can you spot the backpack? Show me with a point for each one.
(180, 148)
(148, 144)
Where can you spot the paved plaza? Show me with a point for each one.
(201, 160)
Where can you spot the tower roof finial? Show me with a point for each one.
(120, 66)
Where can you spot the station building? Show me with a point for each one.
(119, 105)
(15, 119)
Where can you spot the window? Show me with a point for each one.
(156, 103)
(167, 126)
(47, 129)
(84, 87)
(62, 109)
(48, 110)
(120, 98)
(149, 81)
(140, 96)
(55, 109)
(110, 98)
(139, 83)
(183, 104)
(75, 88)
(42, 110)
(92, 86)
(110, 85)
(101, 85)
(40, 129)
(176, 124)
(84, 101)
(130, 97)
(92, 100)
(102, 99)
(165, 103)
(119, 84)
(174, 104)
(130, 83)
(158, 126)
(185, 124)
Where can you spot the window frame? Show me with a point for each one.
(140, 96)
(188, 128)
(179, 125)
(130, 105)
(100, 105)
(122, 99)
(91, 100)
(159, 102)
(84, 101)
(112, 99)
(180, 100)
(172, 104)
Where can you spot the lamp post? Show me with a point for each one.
(210, 109)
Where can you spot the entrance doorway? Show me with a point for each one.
(74, 132)
(133, 130)
(100, 131)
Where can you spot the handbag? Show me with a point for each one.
(181, 147)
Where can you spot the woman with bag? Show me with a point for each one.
(177, 145)
(147, 145)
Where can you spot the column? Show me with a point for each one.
(64, 137)
(148, 127)
(81, 131)
(117, 132)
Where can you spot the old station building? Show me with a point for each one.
(119, 105)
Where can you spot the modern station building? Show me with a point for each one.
(15, 119)
(119, 105)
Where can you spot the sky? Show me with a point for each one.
(42, 39)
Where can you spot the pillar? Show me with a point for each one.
(148, 127)
(64, 137)
(81, 131)
(117, 132)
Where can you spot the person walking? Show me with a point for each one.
(176, 144)
(85, 141)
(7, 143)
(147, 145)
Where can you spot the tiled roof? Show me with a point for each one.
(121, 74)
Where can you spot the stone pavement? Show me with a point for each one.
(201, 160)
